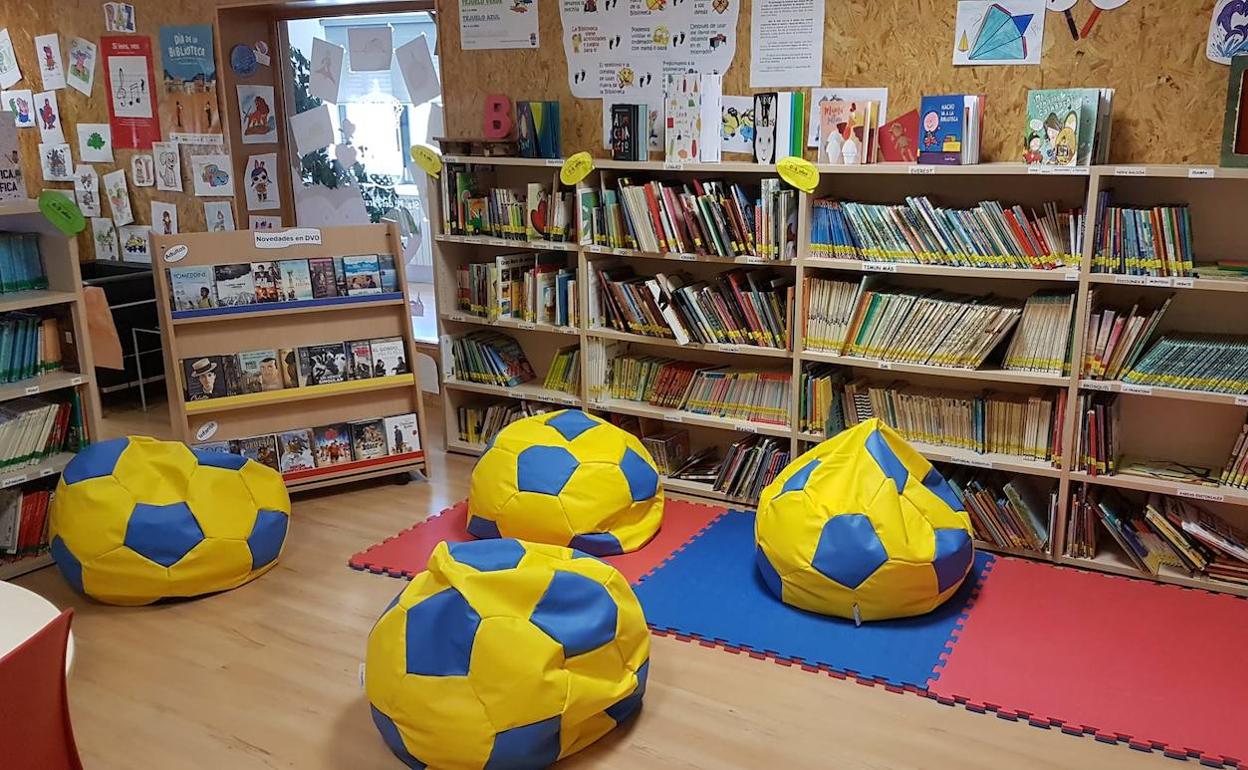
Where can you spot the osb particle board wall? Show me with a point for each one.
(85, 18)
(1168, 107)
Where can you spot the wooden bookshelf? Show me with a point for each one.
(1215, 196)
(64, 299)
(230, 330)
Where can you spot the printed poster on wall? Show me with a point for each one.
(485, 24)
(129, 81)
(786, 43)
(616, 48)
(189, 107)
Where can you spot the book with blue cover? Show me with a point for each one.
(949, 129)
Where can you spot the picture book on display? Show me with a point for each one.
(363, 275)
(296, 280)
(368, 439)
(849, 132)
(899, 139)
(262, 449)
(950, 128)
(389, 357)
(197, 287)
(193, 287)
(537, 129)
(778, 118)
(1067, 126)
(692, 108)
(322, 364)
(628, 135)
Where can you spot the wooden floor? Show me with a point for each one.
(268, 675)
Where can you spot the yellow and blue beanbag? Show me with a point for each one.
(862, 526)
(505, 654)
(135, 520)
(567, 478)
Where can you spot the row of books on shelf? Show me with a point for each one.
(1008, 512)
(1116, 338)
(1149, 241)
(564, 373)
(1020, 425)
(737, 307)
(534, 287)
(707, 217)
(195, 287)
(490, 358)
(254, 371)
(478, 424)
(34, 428)
(937, 328)
(23, 522)
(1159, 532)
(987, 235)
(1217, 363)
(325, 446)
(534, 213)
(30, 345)
(21, 264)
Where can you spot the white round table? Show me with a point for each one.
(22, 614)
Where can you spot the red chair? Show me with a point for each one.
(34, 709)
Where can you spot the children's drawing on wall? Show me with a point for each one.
(1228, 31)
(10, 72)
(118, 195)
(22, 104)
(132, 93)
(821, 96)
(213, 175)
(168, 166)
(255, 107)
(51, 67)
(190, 109)
(765, 127)
(95, 142)
(87, 190)
(81, 74)
(264, 223)
(104, 235)
(219, 216)
(1000, 33)
(142, 170)
(135, 243)
(55, 161)
(119, 17)
(164, 218)
(326, 73)
(48, 116)
(260, 182)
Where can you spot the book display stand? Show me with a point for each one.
(293, 320)
(71, 380)
(1184, 426)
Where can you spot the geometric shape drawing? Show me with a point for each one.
(1002, 32)
(1000, 36)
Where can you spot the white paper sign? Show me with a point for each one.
(81, 73)
(48, 55)
(87, 190)
(95, 143)
(371, 48)
(486, 24)
(164, 218)
(416, 64)
(786, 43)
(10, 73)
(259, 180)
(1001, 32)
(326, 75)
(312, 129)
(118, 194)
(298, 236)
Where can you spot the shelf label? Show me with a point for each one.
(746, 427)
(569, 329)
(755, 260)
(921, 169)
(976, 462)
(729, 348)
(295, 236)
(879, 267)
(1184, 283)
(1039, 169)
(1241, 401)
(1130, 171)
(1133, 280)
(557, 163)
(1139, 390)
(799, 172)
(687, 257)
(673, 165)
(13, 481)
(75, 381)
(176, 253)
(622, 252)
(206, 431)
(1211, 497)
(1201, 173)
(884, 364)
(1096, 385)
(1070, 276)
(573, 170)
(674, 417)
(1158, 280)
(31, 390)
(46, 472)
(427, 159)
(526, 325)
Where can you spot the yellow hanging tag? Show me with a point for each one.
(575, 168)
(799, 172)
(428, 159)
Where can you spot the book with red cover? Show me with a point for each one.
(899, 138)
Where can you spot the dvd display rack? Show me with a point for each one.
(1187, 427)
(293, 319)
(61, 300)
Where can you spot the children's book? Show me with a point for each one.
(368, 439)
(682, 117)
(296, 280)
(628, 140)
(1053, 133)
(262, 449)
(526, 130)
(235, 285)
(260, 370)
(389, 276)
(899, 139)
(766, 106)
(363, 274)
(950, 129)
(402, 435)
(360, 359)
(549, 135)
(296, 450)
(192, 287)
(537, 212)
(324, 284)
(389, 357)
(322, 364)
(333, 444)
(790, 119)
(268, 280)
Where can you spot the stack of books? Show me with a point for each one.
(739, 307)
(1042, 342)
(702, 467)
(491, 358)
(564, 373)
(21, 265)
(1006, 512)
(325, 446)
(1216, 363)
(289, 280)
(1096, 443)
(536, 287)
(480, 424)
(23, 522)
(35, 428)
(950, 128)
(988, 235)
(30, 345)
(820, 410)
(1235, 471)
(755, 396)
(669, 449)
(1028, 427)
(1116, 338)
(254, 371)
(749, 465)
(708, 217)
(1153, 241)
(531, 214)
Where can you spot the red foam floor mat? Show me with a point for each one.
(1155, 666)
(407, 553)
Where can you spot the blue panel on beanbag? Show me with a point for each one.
(482, 528)
(888, 460)
(597, 544)
(95, 460)
(226, 460)
(953, 556)
(525, 747)
(712, 589)
(798, 480)
(390, 734)
(849, 551)
(577, 612)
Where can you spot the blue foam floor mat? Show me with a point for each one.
(711, 589)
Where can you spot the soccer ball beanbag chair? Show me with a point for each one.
(862, 526)
(135, 520)
(567, 478)
(504, 654)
